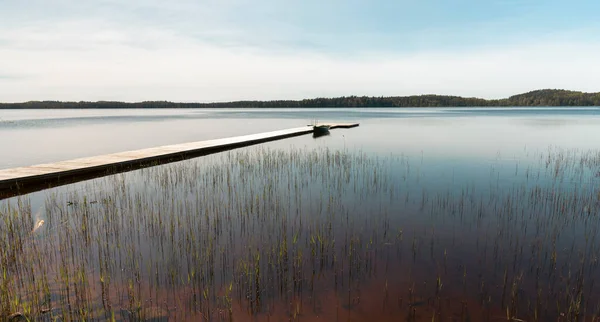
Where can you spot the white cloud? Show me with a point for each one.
(99, 60)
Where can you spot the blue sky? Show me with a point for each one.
(219, 50)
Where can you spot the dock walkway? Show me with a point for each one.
(32, 178)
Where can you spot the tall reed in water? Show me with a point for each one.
(301, 233)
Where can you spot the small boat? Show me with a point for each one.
(320, 129)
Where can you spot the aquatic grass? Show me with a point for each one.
(260, 233)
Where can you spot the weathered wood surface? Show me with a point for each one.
(31, 178)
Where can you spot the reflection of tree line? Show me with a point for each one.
(545, 97)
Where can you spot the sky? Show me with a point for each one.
(226, 50)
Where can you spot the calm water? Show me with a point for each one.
(418, 214)
(39, 136)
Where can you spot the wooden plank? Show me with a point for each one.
(342, 125)
(32, 178)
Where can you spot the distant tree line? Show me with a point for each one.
(546, 97)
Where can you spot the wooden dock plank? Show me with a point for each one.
(31, 178)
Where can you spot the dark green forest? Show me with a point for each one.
(546, 97)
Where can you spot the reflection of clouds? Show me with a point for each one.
(549, 122)
(568, 119)
(477, 136)
(52, 114)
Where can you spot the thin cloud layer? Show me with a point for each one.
(102, 56)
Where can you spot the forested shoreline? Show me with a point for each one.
(547, 97)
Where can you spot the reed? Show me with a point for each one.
(261, 233)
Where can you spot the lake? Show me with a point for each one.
(419, 214)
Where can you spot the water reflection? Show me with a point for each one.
(461, 218)
(320, 134)
(444, 133)
(271, 233)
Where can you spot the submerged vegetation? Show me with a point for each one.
(303, 234)
(545, 97)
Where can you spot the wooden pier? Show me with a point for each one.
(22, 180)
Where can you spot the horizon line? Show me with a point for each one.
(303, 99)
